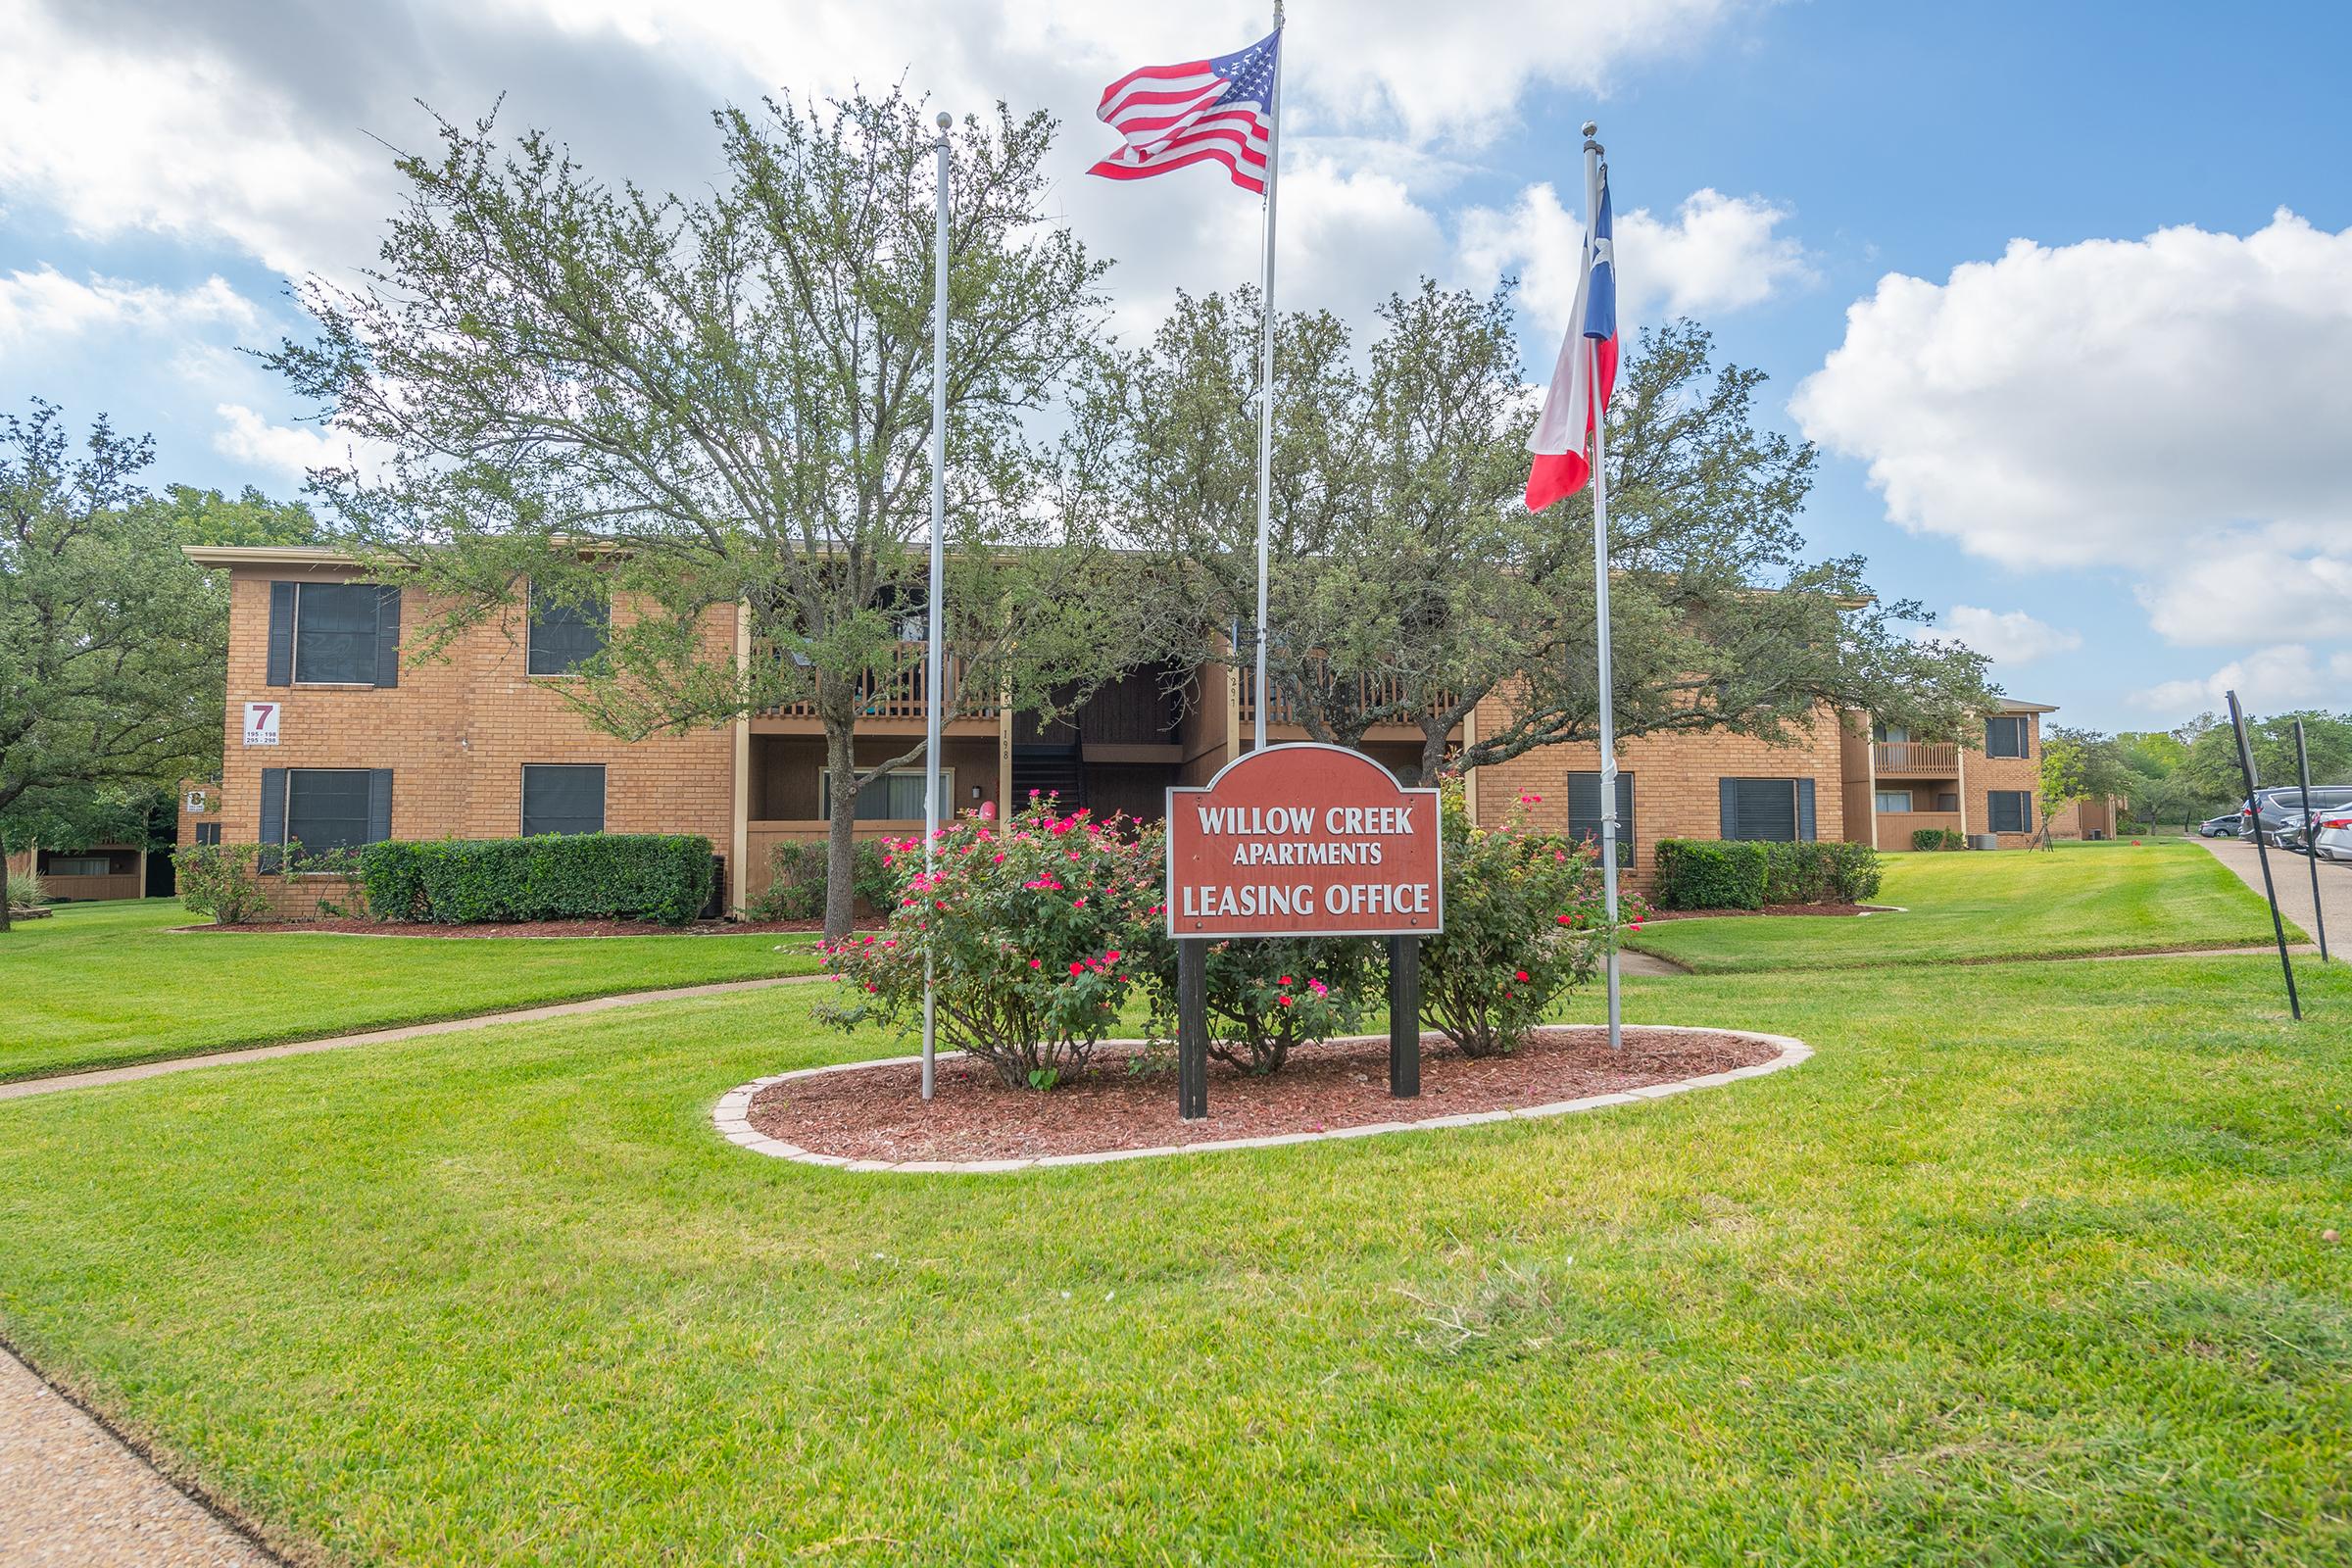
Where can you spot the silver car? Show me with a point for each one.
(2333, 840)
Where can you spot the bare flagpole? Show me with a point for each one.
(934, 661)
(1265, 382)
(1601, 600)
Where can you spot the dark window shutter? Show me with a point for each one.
(282, 634)
(1728, 826)
(387, 637)
(1805, 810)
(1625, 819)
(1583, 804)
(274, 808)
(379, 805)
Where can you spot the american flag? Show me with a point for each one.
(1220, 109)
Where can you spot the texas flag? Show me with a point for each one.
(1563, 438)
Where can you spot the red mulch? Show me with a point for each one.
(878, 1113)
(534, 928)
(1776, 909)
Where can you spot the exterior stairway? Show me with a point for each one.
(1049, 770)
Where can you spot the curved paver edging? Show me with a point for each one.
(732, 1116)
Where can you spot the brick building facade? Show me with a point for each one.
(355, 736)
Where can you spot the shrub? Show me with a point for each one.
(1524, 922)
(1711, 874)
(796, 887)
(1037, 929)
(223, 880)
(1938, 838)
(1854, 873)
(554, 876)
(25, 890)
(1269, 994)
(1796, 873)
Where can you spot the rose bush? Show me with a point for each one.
(1037, 927)
(1525, 922)
(1269, 994)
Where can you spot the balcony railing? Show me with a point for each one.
(900, 695)
(1916, 757)
(1372, 692)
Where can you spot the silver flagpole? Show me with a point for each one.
(934, 662)
(1265, 381)
(1600, 598)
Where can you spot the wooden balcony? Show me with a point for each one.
(897, 698)
(1891, 758)
(1373, 691)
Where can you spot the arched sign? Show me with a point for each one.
(1304, 840)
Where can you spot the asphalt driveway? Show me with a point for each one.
(2292, 875)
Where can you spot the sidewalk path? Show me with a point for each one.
(73, 1496)
(2291, 873)
(303, 1047)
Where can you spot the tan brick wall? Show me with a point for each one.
(456, 732)
(1985, 775)
(1677, 792)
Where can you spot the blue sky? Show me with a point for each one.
(2114, 461)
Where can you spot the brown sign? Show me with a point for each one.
(1303, 839)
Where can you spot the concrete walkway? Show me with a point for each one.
(301, 1048)
(2291, 874)
(75, 1495)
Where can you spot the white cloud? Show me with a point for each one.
(2163, 404)
(2267, 680)
(1717, 253)
(289, 451)
(47, 307)
(2006, 637)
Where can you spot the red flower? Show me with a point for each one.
(1285, 1001)
(1286, 979)
(1037, 963)
(1077, 968)
(1521, 974)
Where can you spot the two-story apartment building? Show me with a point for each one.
(353, 743)
(1896, 786)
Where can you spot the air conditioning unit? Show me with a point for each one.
(1983, 841)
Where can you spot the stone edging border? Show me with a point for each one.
(732, 1116)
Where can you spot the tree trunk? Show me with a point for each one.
(3, 892)
(841, 833)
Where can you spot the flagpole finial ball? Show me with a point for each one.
(946, 120)
(1591, 127)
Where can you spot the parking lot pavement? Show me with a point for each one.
(2292, 875)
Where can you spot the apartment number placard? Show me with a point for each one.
(260, 723)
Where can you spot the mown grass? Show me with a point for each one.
(2016, 1269)
(1970, 908)
(102, 985)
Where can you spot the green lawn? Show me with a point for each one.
(2016, 1269)
(104, 984)
(1968, 908)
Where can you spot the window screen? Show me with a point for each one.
(565, 635)
(207, 832)
(82, 865)
(1767, 809)
(2008, 810)
(334, 633)
(562, 798)
(1894, 800)
(326, 807)
(891, 798)
(2005, 736)
(1583, 811)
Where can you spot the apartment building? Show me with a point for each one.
(1895, 786)
(334, 738)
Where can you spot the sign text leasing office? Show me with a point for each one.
(1302, 840)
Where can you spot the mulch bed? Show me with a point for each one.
(1771, 909)
(1124, 1101)
(531, 929)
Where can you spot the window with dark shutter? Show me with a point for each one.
(1761, 808)
(2005, 736)
(565, 635)
(1583, 811)
(336, 628)
(328, 808)
(562, 798)
(2008, 810)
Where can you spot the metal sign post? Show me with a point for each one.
(2311, 842)
(2245, 764)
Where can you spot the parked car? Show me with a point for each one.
(2282, 810)
(2224, 826)
(2333, 841)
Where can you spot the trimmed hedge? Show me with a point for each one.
(1938, 838)
(555, 877)
(1715, 874)
(796, 887)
